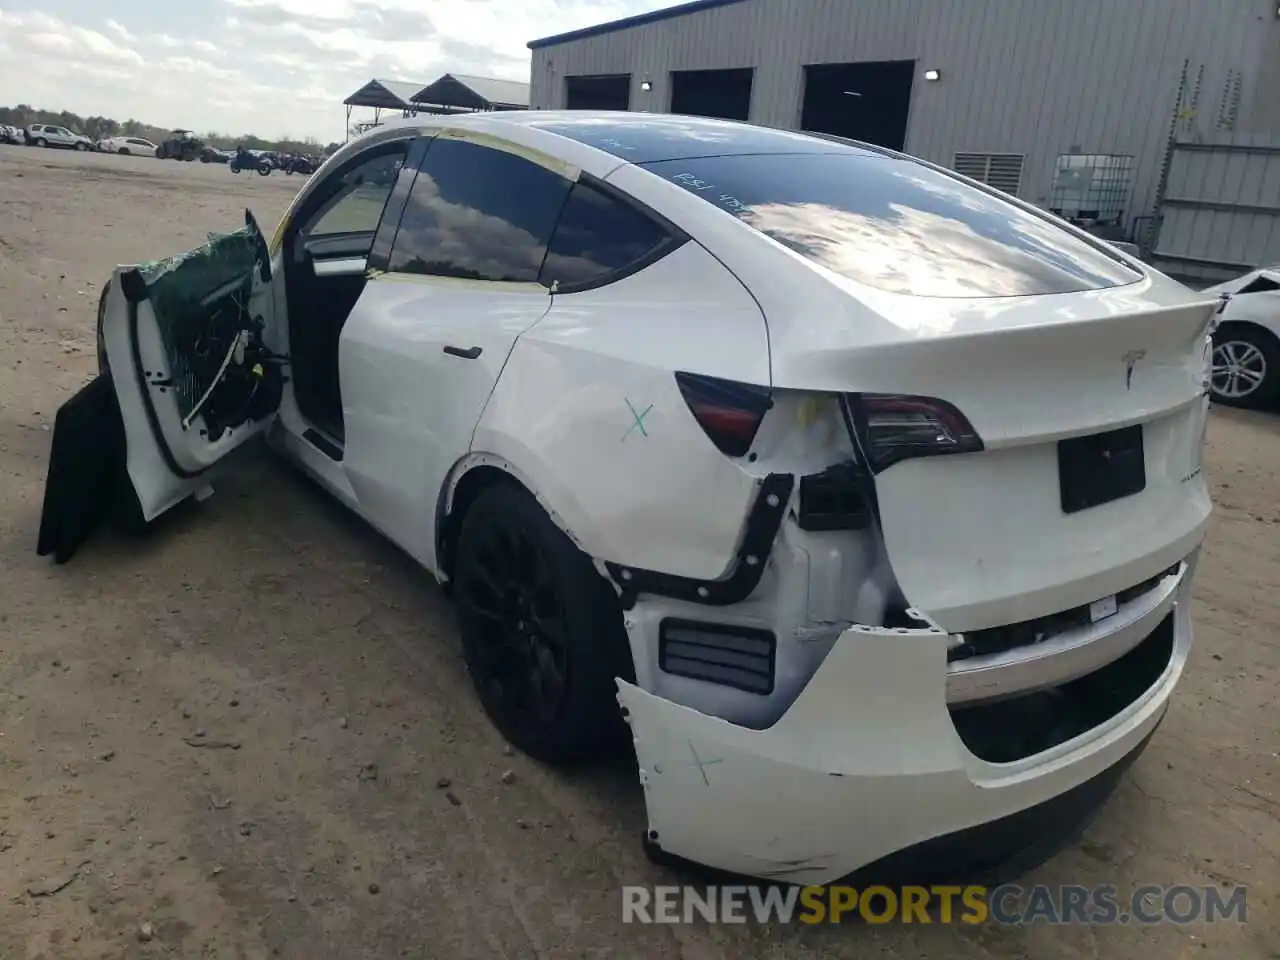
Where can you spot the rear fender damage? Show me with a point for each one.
(761, 802)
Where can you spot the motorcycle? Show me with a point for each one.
(301, 165)
(244, 160)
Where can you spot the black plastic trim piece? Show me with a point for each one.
(323, 444)
(466, 353)
(767, 660)
(834, 499)
(763, 524)
(133, 286)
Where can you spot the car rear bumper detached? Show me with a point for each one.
(877, 769)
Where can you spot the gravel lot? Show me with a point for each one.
(364, 813)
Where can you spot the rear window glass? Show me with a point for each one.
(642, 138)
(898, 226)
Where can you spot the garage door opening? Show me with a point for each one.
(612, 92)
(862, 101)
(712, 93)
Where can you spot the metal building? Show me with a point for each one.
(1071, 104)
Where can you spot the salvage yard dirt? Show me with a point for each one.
(250, 733)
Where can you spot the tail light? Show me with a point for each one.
(728, 412)
(892, 427)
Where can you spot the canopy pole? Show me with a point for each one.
(347, 129)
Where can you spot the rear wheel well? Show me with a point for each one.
(473, 483)
(1228, 325)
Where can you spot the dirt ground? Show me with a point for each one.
(266, 617)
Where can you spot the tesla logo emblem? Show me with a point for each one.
(1130, 361)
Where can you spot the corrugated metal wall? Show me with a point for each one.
(1033, 77)
(1220, 215)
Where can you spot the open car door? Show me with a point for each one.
(189, 375)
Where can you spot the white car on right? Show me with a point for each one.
(128, 146)
(1246, 345)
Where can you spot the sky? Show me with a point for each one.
(270, 67)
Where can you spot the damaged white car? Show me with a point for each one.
(871, 494)
(1246, 345)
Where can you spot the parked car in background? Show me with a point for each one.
(1246, 345)
(872, 496)
(10, 134)
(180, 145)
(128, 146)
(51, 135)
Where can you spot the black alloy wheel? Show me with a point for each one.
(542, 632)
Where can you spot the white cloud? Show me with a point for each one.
(271, 67)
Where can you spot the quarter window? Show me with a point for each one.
(478, 213)
(357, 206)
(597, 236)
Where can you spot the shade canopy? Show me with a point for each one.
(467, 92)
(385, 95)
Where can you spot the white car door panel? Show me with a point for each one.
(419, 357)
(188, 377)
(424, 346)
(590, 412)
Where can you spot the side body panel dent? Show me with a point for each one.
(589, 410)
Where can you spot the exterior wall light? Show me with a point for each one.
(933, 74)
(646, 85)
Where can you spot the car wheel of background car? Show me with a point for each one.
(80, 146)
(542, 632)
(264, 170)
(124, 151)
(1246, 366)
(41, 142)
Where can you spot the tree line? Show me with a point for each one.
(97, 128)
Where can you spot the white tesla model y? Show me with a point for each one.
(872, 495)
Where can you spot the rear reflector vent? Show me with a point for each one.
(738, 657)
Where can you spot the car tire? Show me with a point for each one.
(542, 631)
(1245, 352)
(40, 142)
(80, 147)
(124, 151)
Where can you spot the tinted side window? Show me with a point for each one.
(362, 193)
(478, 213)
(598, 235)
